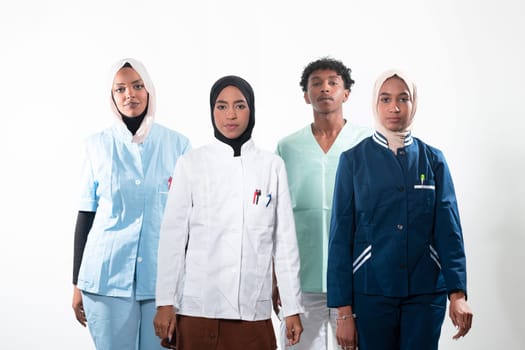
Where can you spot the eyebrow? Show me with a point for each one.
(334, 76)
(388, 93)
(226, 102)
(133, 82)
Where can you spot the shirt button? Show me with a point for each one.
(137, 182)
(399, 227)
(137, 221)
(400, 188)
(139, 259)
(401, 153)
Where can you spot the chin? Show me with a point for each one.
(134, 114)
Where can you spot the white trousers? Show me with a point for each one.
(121, 323)
(318, 325)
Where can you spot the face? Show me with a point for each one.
(394, 105)
(231, 112)
(326, 91)
(129, 93)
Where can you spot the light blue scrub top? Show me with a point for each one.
(311, 177)
(127, 185)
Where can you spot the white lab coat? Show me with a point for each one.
(218, 239)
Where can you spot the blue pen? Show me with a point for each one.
(269, 196)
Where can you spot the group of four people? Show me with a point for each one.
(194, 246)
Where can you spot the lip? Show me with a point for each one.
(131, 104)
(393, 120)
(325, 98)
(231, 126)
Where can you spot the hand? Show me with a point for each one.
(276, 299)
(294, 328)
(346, 331)
(460, 314)
(78, 306)
(165, 322)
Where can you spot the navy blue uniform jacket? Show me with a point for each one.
(395, 228)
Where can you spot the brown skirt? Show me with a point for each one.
(199, 333)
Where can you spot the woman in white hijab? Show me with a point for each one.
(396, 246)
(124, 187)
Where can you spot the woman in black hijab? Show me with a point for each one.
(228, 217)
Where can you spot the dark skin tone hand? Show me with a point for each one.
(78, 306)
(165, 321)
(460, 314)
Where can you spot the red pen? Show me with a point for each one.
(256, 195)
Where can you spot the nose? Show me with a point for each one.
(325, 87)
(231, 114)
(395, 108)
(130, 93)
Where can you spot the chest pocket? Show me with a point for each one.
(423, 197)
(261, 209)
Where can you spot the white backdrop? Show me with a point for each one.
(466, 56)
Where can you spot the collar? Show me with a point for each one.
(381, 140)
(227, 150)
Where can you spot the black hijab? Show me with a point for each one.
(247, 91)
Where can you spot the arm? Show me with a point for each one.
(449, 243)
(84, 222)
(174, 234)
(276, 299)
(340, 274)
(340, 245)
(286, 260)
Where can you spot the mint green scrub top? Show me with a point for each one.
(311, 177)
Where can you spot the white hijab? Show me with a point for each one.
(396, 139)
(145, 126)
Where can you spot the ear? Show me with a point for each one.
(346, 95)
(307, 99)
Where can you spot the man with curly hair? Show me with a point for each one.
(311, 155)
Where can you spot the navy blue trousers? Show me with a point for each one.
(411, 323)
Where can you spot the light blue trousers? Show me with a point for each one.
(121, 323)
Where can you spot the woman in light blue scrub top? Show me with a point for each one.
(124, 185)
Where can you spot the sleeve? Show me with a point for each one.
(286, 251)
(174, 234)
(278, 150)
(84, 222)
(340, 245)
(447, 229)
(187, 146)
(88, 184)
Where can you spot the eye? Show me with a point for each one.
(333, 83)
(120, 90)
(384, 99)
(241, 106)
(139, 87)
(404, 99)
(220, 107)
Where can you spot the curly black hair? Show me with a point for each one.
(327, 63)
